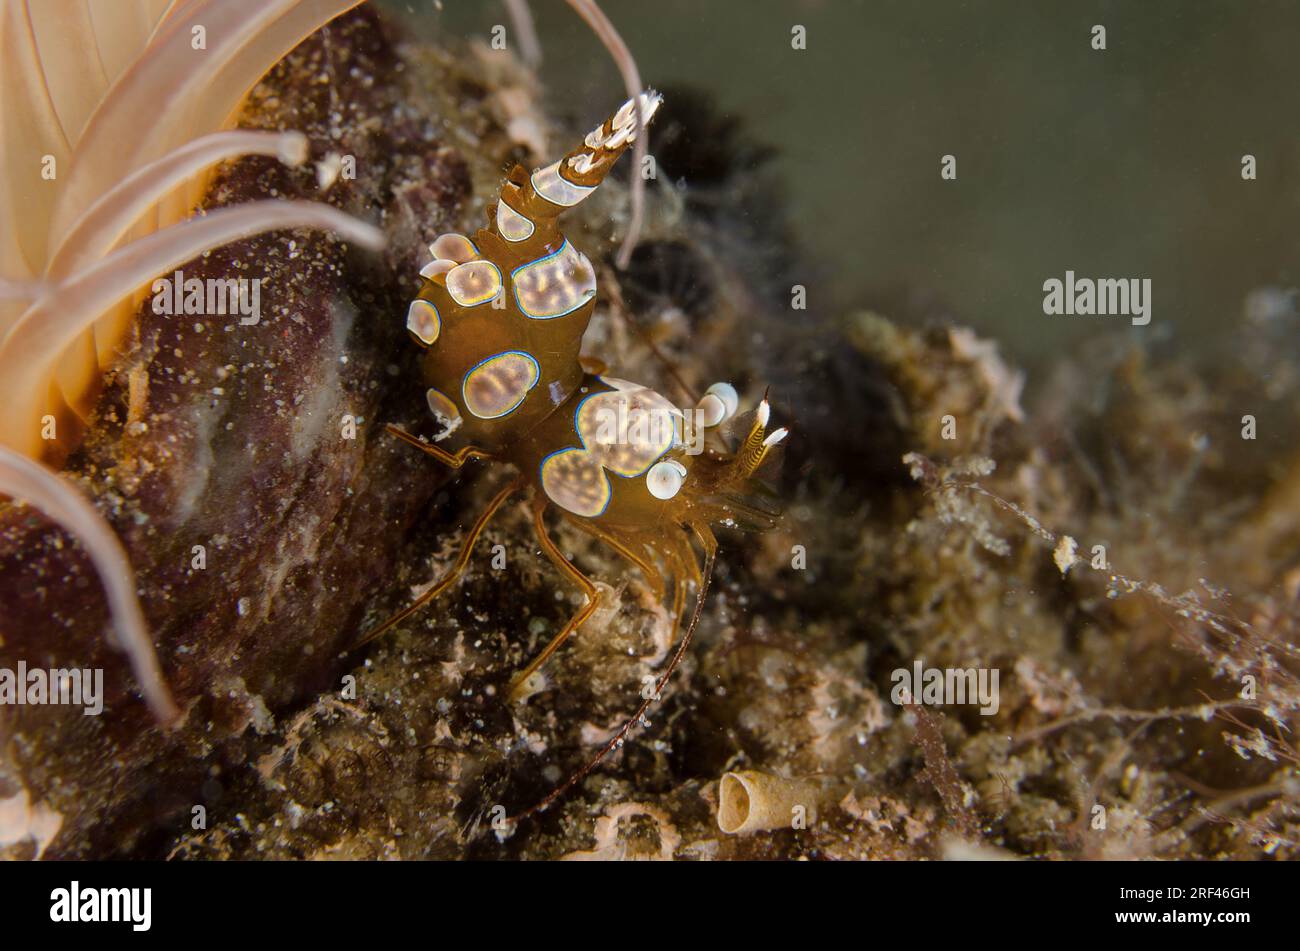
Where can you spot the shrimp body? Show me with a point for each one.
(501, 317)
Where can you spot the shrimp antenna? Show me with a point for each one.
(617, 739)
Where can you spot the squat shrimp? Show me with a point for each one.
(501, 318)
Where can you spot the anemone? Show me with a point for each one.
(113, 111)
(113, 117)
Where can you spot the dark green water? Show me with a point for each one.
(1122, 163)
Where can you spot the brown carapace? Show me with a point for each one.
(502, 318)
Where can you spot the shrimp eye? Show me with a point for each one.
(664, 479)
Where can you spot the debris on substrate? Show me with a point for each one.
(1121, 676)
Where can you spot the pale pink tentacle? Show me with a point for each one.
(105, 222)
(24, 479)
(52, 323)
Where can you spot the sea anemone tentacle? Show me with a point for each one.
(34, 342)
(25, 479)
(75, 83)
(104, 223)
(187, 92)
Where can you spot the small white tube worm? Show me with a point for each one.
(750, 801)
